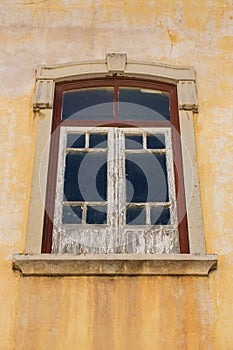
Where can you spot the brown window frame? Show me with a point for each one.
(62, 87)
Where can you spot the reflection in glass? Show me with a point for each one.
(156, 141)
(133, 142)
(88, 104)
(85, 177)
(160, 216)
(136, 216)
(98, 140)
(146, 178)
(143, 104)
(136, 181)
(97, 214)
(72, 215)
(75, 141)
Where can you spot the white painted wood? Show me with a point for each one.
(116, 236)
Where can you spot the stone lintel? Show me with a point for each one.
(116, 62)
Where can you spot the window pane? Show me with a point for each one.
(72, 215)
(146, 178)
(136, 216)
(75, 141)
(156, 141)
(98, 140)
(143, 104)
(85, 177)
(97, 214)
(88, 104)
(160, 216)
(133, 142)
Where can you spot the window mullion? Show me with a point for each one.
(112, 201)
(121, 189)
(111, 177)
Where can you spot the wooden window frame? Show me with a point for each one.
(62, 87)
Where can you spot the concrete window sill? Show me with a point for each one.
(114, 264)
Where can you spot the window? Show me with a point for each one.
(118, 149)
(115, 181)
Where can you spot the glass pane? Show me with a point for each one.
(143, 104)
(156, 141)
(133, 142)
(98, 140)
(75, 141)
(160, 216)
(97, 214)
(85, 177)
(136, 216)
(88, 104)
(72, 215)
(146, 178)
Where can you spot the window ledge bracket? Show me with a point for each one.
(114, 264)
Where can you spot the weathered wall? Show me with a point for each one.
(117, 313)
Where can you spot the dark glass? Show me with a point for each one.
(146, 178)
(133, 142)
(156, 141)
(85, 177)
(136, 216)
(97, 214)
(88, 104)
(75, 141)
(160, 216)
(98, 140)
(72, 215)
(143, 104)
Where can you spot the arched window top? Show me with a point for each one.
(116, 100)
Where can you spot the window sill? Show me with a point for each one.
(115, 264)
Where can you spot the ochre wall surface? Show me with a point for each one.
(102, 313)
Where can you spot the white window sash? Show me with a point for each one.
(116, 236)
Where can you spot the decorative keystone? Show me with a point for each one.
(116, 62)
(187, 96)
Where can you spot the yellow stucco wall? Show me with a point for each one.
(141, 313)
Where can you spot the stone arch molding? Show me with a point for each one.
(115, 64)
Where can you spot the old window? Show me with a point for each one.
(115, 172)
(115, 181)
